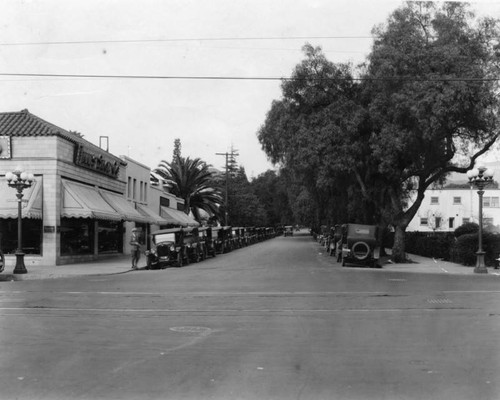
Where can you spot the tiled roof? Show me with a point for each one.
(23, 123)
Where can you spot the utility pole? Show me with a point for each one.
(226, 154)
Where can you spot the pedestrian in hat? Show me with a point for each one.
(135, 247)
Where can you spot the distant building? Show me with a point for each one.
(457, 202)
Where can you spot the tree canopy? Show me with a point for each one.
(368, 143)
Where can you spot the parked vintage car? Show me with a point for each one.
(206, 237)
(361, 245)
(2, 261)
(336, 241)
(223, 238)
(168, 248)
(251, 235)
(194, 245)
(288, 230)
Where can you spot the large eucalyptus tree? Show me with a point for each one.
(432, 83)
(428, 94)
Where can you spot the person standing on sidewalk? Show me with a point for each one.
(135, 248)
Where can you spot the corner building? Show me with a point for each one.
(77, 209)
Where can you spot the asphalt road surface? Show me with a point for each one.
(277, 320)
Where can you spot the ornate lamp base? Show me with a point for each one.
(480, 267)
(20, 268)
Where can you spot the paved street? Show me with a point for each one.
(277, 320)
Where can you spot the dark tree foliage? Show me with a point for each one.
(371, 147)
(244, 207)
(309, 130)
(432, 98)
(271, 190)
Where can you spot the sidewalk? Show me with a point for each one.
(111, 266)
(426, 265)
(122, 264)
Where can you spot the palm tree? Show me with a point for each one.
(193, 182)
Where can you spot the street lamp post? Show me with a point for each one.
(19, 180)
(480, 177)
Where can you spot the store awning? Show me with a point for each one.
(154, 218)
(175, 217)
(82, 201)
(31, 205)
(124, 207)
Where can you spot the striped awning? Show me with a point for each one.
(176, 217)
(153, 218)
(82, 201)
(124, 207)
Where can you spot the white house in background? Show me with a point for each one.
(446, 208)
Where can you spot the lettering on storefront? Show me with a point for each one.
(96, 162)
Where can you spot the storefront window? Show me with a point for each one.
(110, 237)
(77, 236)
(31, 231)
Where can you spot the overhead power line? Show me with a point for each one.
(220, 39)
(243, 78)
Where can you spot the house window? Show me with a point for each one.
(438, 222)
(434, 200)
(488, 221)
(451, 222)
(457, 200)
(129, 187)
(424, 221)
(490, 202)
(465, 220)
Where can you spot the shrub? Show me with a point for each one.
(468, 227)
(466, 246)
(435, 245)
(465, 249)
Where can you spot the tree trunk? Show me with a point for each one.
(398, 249)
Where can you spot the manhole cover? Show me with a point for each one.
(193, 330)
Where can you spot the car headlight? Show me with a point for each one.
(172, 248)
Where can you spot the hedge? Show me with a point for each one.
(461, 249)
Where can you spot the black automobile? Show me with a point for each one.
(223, 239)
(288, 230)
(207, 241)
(361, 246)
(168, 248)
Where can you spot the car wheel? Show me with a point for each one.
(179, 260)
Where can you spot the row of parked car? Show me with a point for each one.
(352, 244)
(181, 246)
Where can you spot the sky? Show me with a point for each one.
(181, 39)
